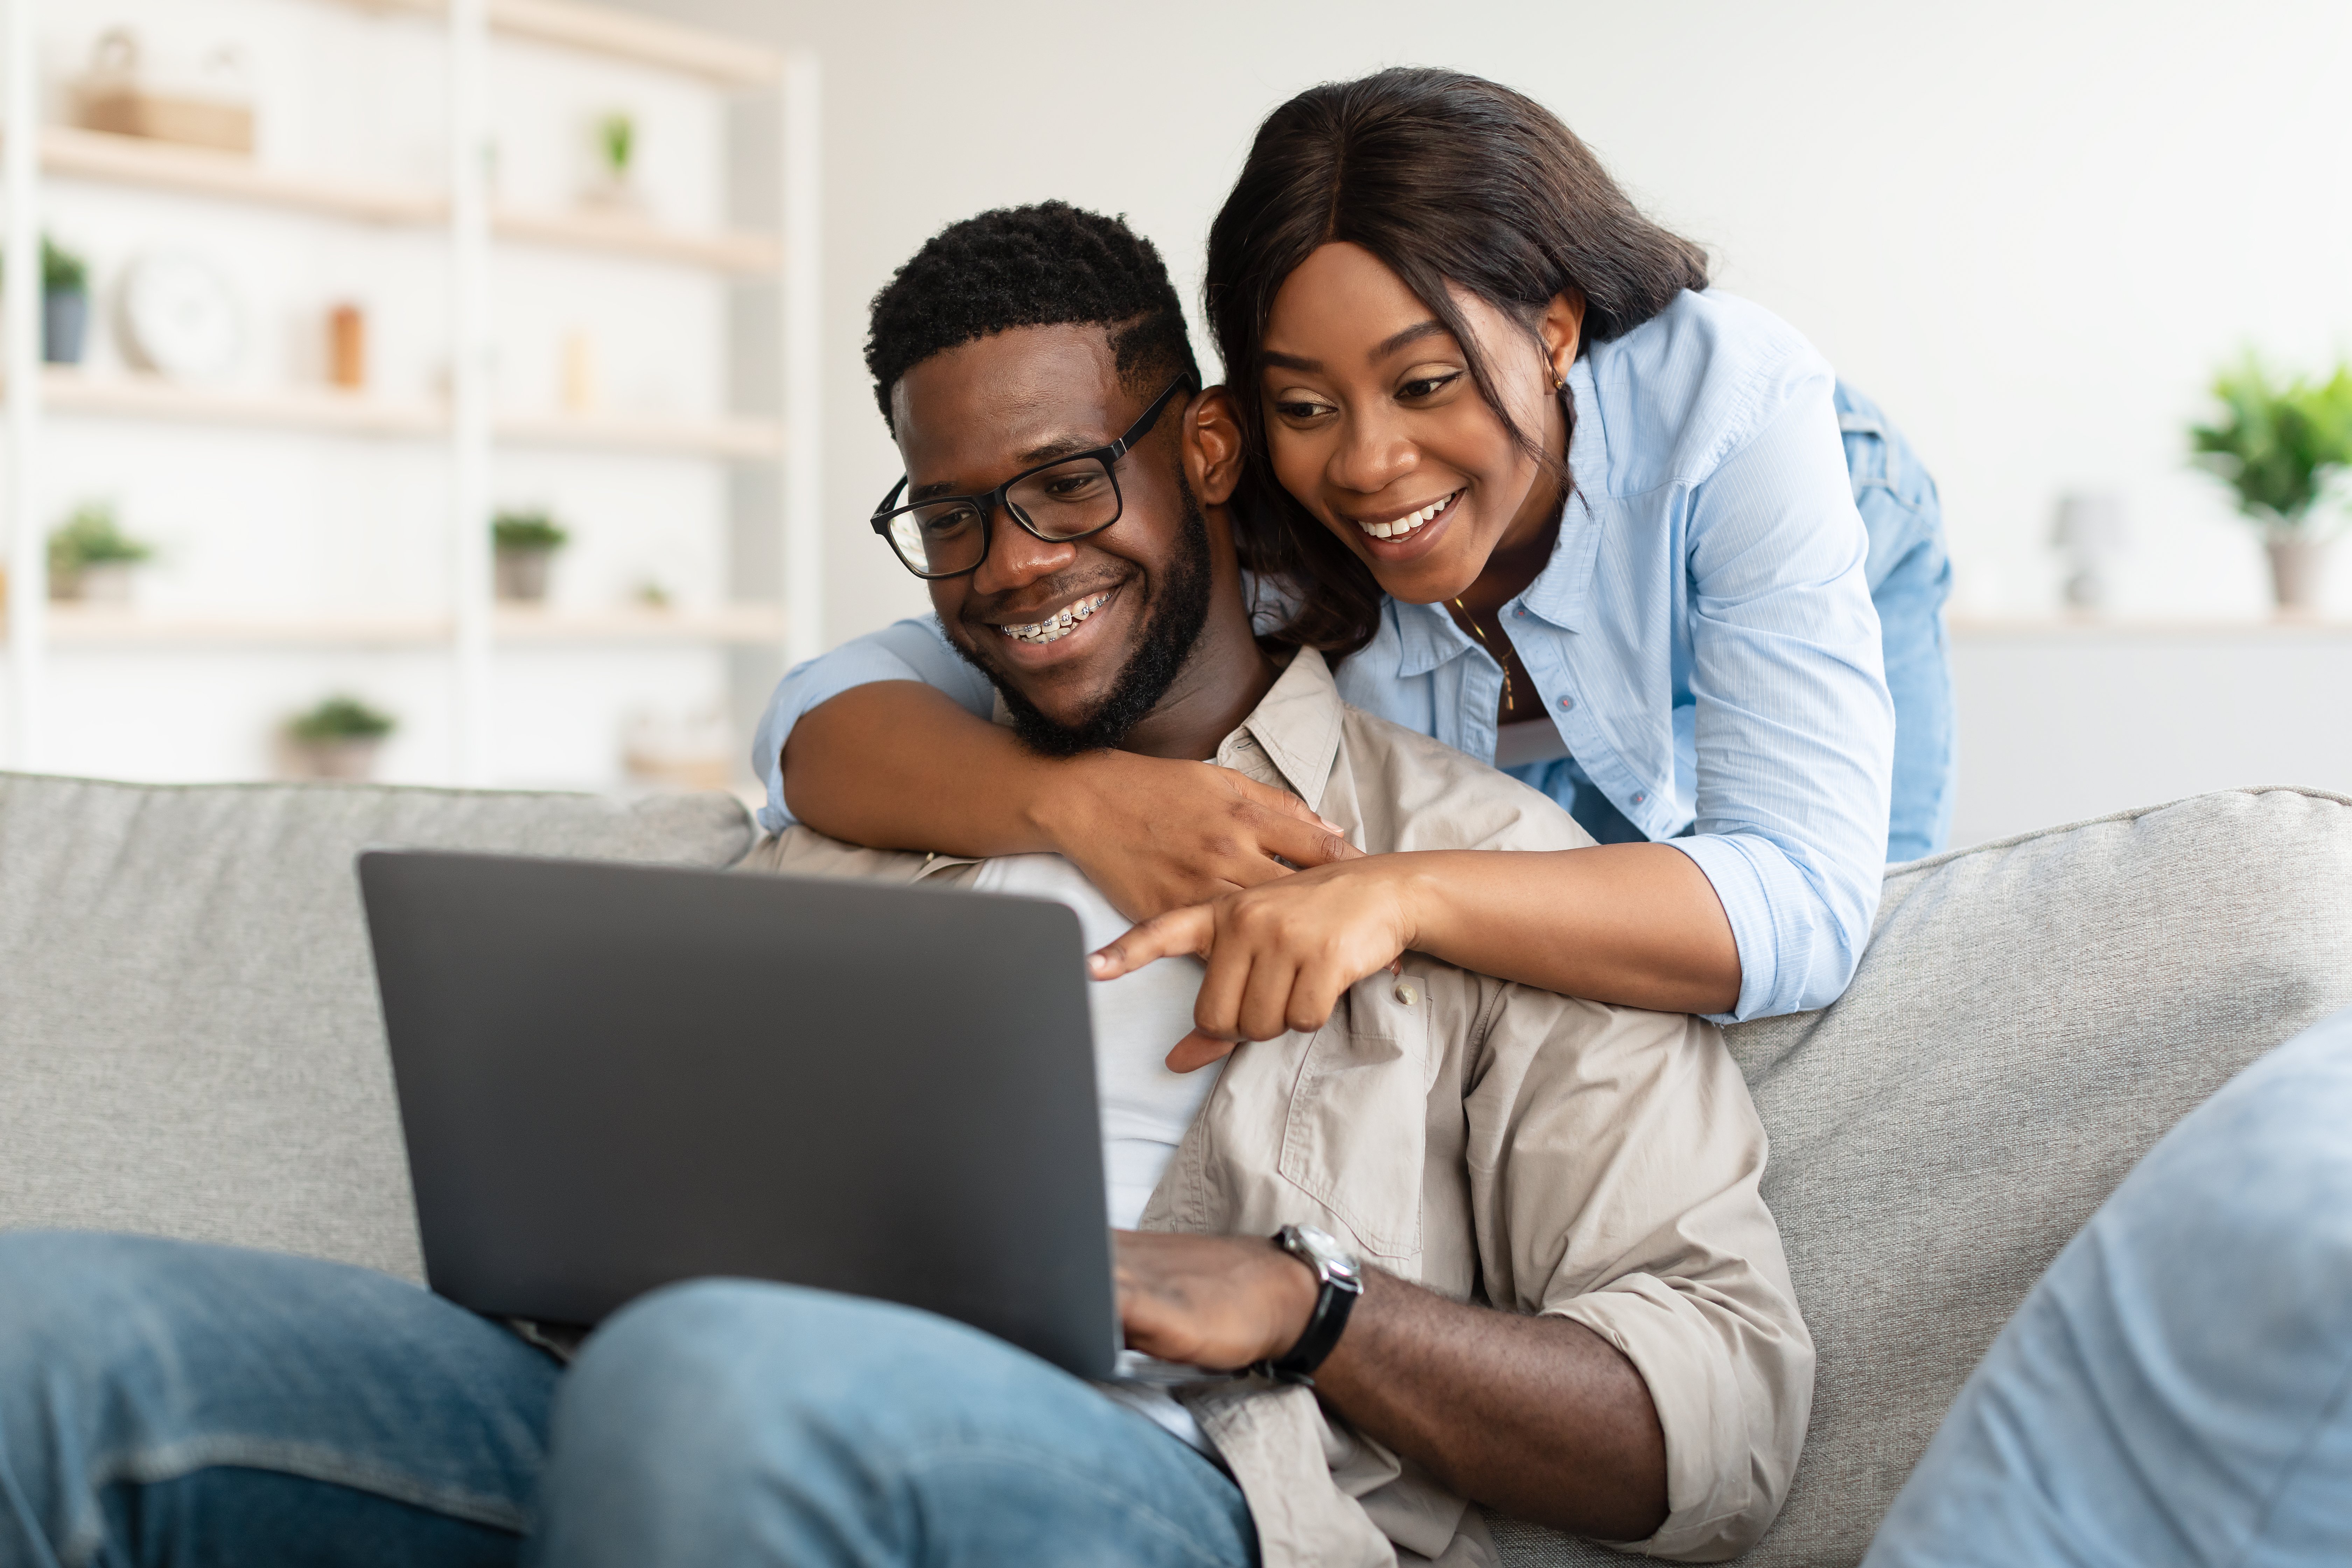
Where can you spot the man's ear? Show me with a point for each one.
(1212, 446)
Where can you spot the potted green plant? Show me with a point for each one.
(65, 303)
(91, 557)
(524, 542)
(616, 152)
(338, 739)
(2282, 449)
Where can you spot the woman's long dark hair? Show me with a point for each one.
(1447, 178)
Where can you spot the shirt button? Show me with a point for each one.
(1567, 704)
(1519, 612)
(1407, 992)
(1640, 799)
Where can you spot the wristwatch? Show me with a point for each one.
(1342, 1280)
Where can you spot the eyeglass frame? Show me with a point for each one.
(989, 502)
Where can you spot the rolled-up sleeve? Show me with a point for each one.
(1794, 729)
(914, 649)
(1619, 1163)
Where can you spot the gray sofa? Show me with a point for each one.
(190, 1045)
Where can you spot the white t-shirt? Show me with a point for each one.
(1137, 1020)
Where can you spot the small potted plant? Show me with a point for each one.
(338, 739)
(616, 154)
(525, 542)
(65, 303)
(91, 558)
(2281, 449)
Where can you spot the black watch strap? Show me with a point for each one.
(1340, 1280)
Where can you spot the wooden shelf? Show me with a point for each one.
(74, 154)
(67, 390)
(618, 34)
(99, 627)
(206, 171)
(2280, 624)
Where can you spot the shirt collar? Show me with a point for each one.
(1426, 638)
(1295, 724)
(1560, 590)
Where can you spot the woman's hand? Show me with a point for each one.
(1157, 835)
(1279, 954)
(1217, 1301)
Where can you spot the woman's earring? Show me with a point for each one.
(1558, 381)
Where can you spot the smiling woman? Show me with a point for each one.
(1538, 493)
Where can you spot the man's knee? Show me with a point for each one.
(719, 1364)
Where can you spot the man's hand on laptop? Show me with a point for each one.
(1280, 955)
(1216, 1301)
(1157, 835)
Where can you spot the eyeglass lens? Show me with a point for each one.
(1067, 500)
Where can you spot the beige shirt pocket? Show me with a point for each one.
(1367, 1069)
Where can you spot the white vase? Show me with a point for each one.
(2296, 563)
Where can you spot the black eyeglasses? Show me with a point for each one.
(1067, 499)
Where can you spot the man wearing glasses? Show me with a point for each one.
(1518, 1256)
(1590, 1171)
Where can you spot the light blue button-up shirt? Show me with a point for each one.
(1702, 638)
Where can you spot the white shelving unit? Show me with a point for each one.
(461, 420)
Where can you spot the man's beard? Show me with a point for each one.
(1180, 612)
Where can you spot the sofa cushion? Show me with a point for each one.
(190, 1043)
(2030, 1016)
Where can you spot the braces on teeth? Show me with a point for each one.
(1053, 628)
(1409, 520)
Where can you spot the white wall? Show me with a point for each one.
(2031, 231)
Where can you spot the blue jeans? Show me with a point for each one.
(163, 1401)
(2178, 1388)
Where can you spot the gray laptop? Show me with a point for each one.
(614, 1077)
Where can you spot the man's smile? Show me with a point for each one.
(1059, 623)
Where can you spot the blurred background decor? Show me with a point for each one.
(336, 738)
(526, 543)
(2282, 447)
(615, 158)
(65, 303)
(324, 348)
(347, 347)
(114, 97)
(179, 317)
(2090, 531)
(91, 559)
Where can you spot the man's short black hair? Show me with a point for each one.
(1045, 266)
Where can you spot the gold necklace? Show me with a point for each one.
(1479, 632)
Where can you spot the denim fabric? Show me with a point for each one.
(1910, 578)
(163, 1401)
(167, 1403)
(2177, 1390)
(1703, 637)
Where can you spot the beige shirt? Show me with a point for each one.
(1496, 1143)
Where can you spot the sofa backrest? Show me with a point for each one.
(2030, 1016)
(190, 1043)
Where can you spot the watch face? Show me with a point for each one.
(1327, 1253)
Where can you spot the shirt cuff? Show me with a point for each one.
(1730, 863)
(1725, 1477)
